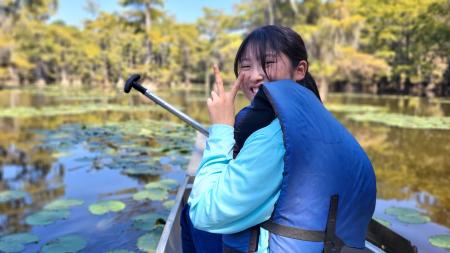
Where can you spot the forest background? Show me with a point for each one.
(376, 46)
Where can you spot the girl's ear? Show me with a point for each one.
(300, 70)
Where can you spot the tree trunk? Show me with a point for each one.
(269, 15)
(64, 78)
(13, 76)
(40, 82)
(207, 80)
(323, 89)
(148, 27)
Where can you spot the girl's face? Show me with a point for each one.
(278, 67)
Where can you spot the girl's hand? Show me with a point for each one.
(221, 103)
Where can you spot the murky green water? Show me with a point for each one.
(97, 146)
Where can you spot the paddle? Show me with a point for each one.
(132, 82)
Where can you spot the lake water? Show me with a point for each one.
(94, 146)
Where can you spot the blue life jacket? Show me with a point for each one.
(328, 191)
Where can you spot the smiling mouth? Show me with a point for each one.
(254, 90)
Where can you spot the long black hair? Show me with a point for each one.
(276, 39)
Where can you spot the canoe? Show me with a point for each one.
(379, 239)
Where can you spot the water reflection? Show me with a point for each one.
(412, 166)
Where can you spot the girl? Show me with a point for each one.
(286, 176)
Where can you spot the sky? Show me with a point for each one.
(72, 12)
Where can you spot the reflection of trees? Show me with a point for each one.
(409, 164)
(34, 174)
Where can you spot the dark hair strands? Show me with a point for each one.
(276, 39)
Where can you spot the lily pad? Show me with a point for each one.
(440, 241)
(120, 251)
(149, 241)
(142, 170)
(63, 204)
(169, 204)
(163, 184)
(6, 196)
(6, 246)
(103, 207)
(413, 218)
(22, 238)
(151, 194)
(46, 217)
(148, 222)
(396, 211)
(66, 244)
(15, 242)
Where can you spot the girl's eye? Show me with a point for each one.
(268, 63)
(245, 67)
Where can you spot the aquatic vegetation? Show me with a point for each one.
(149, 241)
(106, 206)
(169, 204)
(46, 217)
(15, 242)
(349, 108)
(441, 241)
(407, 215)
(7, 196)
(120, 251)
(148, 221)
(151, 194)
(404, 121)
(67, 244)
(25, 112)
(169, 184)
(63, 204)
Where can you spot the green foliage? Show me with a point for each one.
(407, 215)
(15, 242)
(440, 241)
(103, 207)
(46, 217)
(67, 243)
(356, 42)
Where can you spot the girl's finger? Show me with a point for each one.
(237, 84)
(219, 81)
(214, 96)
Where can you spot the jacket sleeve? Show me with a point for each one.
(230, 195)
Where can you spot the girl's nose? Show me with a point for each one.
(257, 75)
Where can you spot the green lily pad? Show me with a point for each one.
(63, 204)
(46, 217)
(151, 194)
(142, 170)
(163, 184)
(149, 241)
(6, 196)
(15, 242)
(66, 244)
(383, 222)
(147, 222)
(120, 251)
(396, 211)
(11, 246)
(413, 218)
(103, 207)
(22, 238)
(169, 204)
(440, 241)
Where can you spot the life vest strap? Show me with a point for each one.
(332, 243)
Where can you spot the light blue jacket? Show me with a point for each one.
(230, 195)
